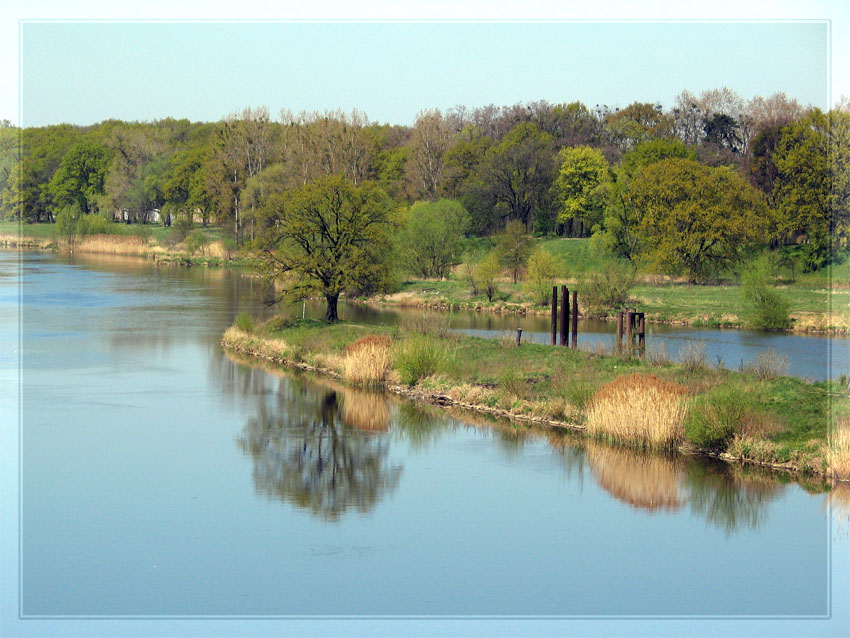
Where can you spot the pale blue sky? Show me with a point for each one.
(82, 72)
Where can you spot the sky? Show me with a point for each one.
(82, 66)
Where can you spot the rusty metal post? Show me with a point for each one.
(518, 336)
(554, 312)
(619, 330)
(575, 319)
(629, 323)
(642, 334)
(565, 314)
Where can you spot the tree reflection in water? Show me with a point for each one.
(324, 450)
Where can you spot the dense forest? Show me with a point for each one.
(684, 190)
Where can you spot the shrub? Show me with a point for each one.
(433, 324)
(639, 410)
(228, 245)
(540, 276)
(766, 307)
(418, 358)
(66, 222)
(182, 225)
(513, 246)
(485, 275)
(692, 356)
(715, 418)
(244, 322)
(93, 225)
(607, 288)
(196, 241)
(367, 360)
(768, 365)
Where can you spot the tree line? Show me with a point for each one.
(681, 189)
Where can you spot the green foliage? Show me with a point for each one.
(197, 241)
(696, 220)
(485, 273)
(432, 239)
(244, 322)
(317, 236)
(80, 176)
(714, 418)
(182, 225)
(540, 276)
(513, 179)
(575, 191)
(654, 151)
(67, 220)
(812, 184)
(607, 288)
(93, 224)
(513, 246)
(766, 307)
(419, 357)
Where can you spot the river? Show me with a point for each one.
(161, 481)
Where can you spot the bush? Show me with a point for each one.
(418, 358)
(640, 410)
(66, 222)
(367, 360)
(485, 275)
(182, 225)
(766, 307)
(93, 225)
(244, 322)
(540, 276)
(196, 241)
(768, 365)
(692, 356)
(607, 288)
(715, 418)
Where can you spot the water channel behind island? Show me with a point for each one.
(161, 476)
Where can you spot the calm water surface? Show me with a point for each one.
(162, 477)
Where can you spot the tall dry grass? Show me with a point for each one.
(367, 360)
(838, 450)
(640, 410)
(640, 479)
(113, 245)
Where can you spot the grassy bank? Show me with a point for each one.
(755, 416)
(812, 309)
(150, 241)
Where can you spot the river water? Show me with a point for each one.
(167, 488)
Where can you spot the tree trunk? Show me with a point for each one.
(332, 314)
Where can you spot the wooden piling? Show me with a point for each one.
(565, 314)
(575, 319)
(554, 312)
(518, 336)
(619, 329)
(642, 332)
(629, 323)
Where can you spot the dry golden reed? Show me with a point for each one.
(838, 452)
(113, 245)
(367, 360)
(640, 410)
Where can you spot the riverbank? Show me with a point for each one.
(211, 254)
(814, 310)
(754, 416)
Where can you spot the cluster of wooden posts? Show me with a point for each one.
(565, 315)
(632, 325)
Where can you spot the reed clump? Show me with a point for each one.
(639, 410)
(838, 450)
(367, 360)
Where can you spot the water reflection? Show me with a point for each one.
(729, 497)
(642, 480)
(312, 455)
(324, 446)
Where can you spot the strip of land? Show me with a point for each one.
(753, 416)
